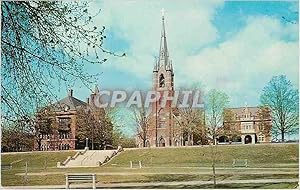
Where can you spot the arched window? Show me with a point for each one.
(161, 81)
(161, 118)
(162, 142)
(177, 142)
(147, 144)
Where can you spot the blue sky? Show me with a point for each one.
(234, 46)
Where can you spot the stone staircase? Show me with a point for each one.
(89, 158)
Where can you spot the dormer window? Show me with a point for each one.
(161, 81)
(66, 108)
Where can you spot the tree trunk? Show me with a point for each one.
(214, 173)
(39, 142)
(214, 161)
(282, 136)
(92, 143)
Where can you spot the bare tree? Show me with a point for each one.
(230, 126)
(265, 121)
(142, 120)
(46, 44)
(189, 119)
(215, 104)
(282, 98)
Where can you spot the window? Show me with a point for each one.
(161, 81)
(161, 125)
(63, 135)
(261, 127)
(261, 138)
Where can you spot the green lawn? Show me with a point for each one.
(36, 159)
(163, 165)
(258, 156)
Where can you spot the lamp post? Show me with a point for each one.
(87, 142)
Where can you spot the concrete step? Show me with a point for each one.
(91, 158)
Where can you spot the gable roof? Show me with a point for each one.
(70, 101)
(239, 111)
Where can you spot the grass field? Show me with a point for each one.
(257, 155)
(164, 165)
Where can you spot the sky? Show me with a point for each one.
(233, 46)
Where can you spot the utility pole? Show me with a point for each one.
(156, 143)
(87, 142)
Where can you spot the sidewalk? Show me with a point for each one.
(155, 184)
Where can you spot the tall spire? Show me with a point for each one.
(163, 51)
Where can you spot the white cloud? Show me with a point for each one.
(188, 25)
(243, 65)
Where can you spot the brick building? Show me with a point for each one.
(62, 135)
(162, 130)
(250, 125)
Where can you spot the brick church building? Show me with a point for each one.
(162, 130)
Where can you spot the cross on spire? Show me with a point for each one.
(162, 12)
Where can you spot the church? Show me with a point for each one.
(162, 127)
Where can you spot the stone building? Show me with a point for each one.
(62, 135)
(249, 125)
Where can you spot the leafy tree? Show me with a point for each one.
(282, 98)
(15, 137)
(215, 104)
(104, 134)
(45, 44)
(95, 125)
(120, 139)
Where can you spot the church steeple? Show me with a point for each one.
(163, 50)
(163, 75)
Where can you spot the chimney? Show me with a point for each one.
(70, 92)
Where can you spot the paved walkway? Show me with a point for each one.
(199, 182)
(155, 173)
(199, 171)
(157, 184)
